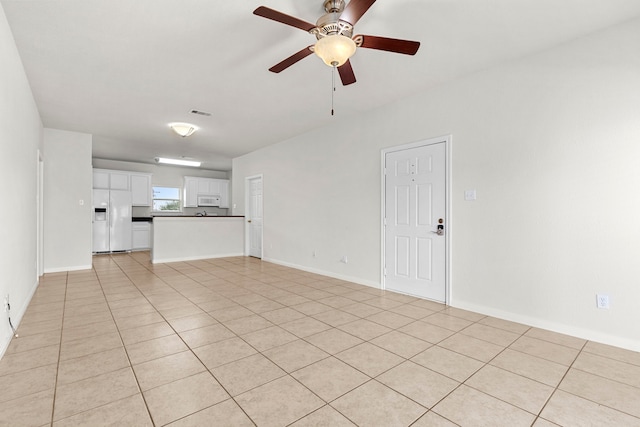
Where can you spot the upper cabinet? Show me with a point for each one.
(101, 179)
(119, 180)
(197, 186)
(141, 192)
(138, 183)
(224, 193)
(190, 197)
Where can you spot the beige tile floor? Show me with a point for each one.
(241, 342)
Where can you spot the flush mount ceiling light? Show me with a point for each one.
(183, 129)
(178, 162)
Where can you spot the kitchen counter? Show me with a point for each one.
(198, 216)
(186, 238)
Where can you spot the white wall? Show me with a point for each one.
(20, 138)
(68, 179)
(550, 143)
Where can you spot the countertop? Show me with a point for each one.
(150, 218)
(198, 216)
(141, 219)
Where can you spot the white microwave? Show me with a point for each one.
(206, 200)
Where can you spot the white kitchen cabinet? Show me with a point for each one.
(224, 193)
(100, 179)
(204, 186)
(141, 193)
(106, 179)
(119, 180)
(194, 186)
(139, 183)
(141, 235)
(190, 197)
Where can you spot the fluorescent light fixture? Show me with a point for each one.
(183, 129)
(178, 162)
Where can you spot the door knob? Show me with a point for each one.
(249, 221)
(440, 231)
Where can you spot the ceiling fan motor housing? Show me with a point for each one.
(334, 6)
(330, 24)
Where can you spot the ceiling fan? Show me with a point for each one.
(335, 40)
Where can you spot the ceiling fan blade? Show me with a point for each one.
(274, 15)
(355, 9)
(346, 73)
(291, 60)
(406, 47)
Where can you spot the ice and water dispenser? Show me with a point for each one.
(100, 214)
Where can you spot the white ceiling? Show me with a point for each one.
(123, 69)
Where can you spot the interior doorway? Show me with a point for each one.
(254, 216)
(416, 222)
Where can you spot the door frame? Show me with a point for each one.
(247, 204)
(447, 140)
(39, 215)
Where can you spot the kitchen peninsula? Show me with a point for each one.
(185, 238)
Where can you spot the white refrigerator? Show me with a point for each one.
(111, 220)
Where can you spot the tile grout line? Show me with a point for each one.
(252, 284)
(286, 374)
(191, 350)
(487, 363)
(130, 366)
(124, 347)
(55, 385)
(557, 387)
(330, 355)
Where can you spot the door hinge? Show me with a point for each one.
(385, 271)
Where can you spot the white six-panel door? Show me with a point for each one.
(415, 221)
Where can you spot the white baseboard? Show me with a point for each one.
(573, 331)
(195, 258)
(622, 342)
(326, 273)
(16, 318)
(64, 269)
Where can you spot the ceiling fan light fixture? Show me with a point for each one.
(183, 129)
(335, 49)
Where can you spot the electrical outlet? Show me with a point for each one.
(602, 301)
(344, 259)
(470, 195)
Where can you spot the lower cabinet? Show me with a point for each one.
(141, 236)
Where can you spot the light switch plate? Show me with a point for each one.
(470, 195)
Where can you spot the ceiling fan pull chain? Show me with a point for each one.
(333, 86)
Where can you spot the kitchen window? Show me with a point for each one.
(166, 199)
